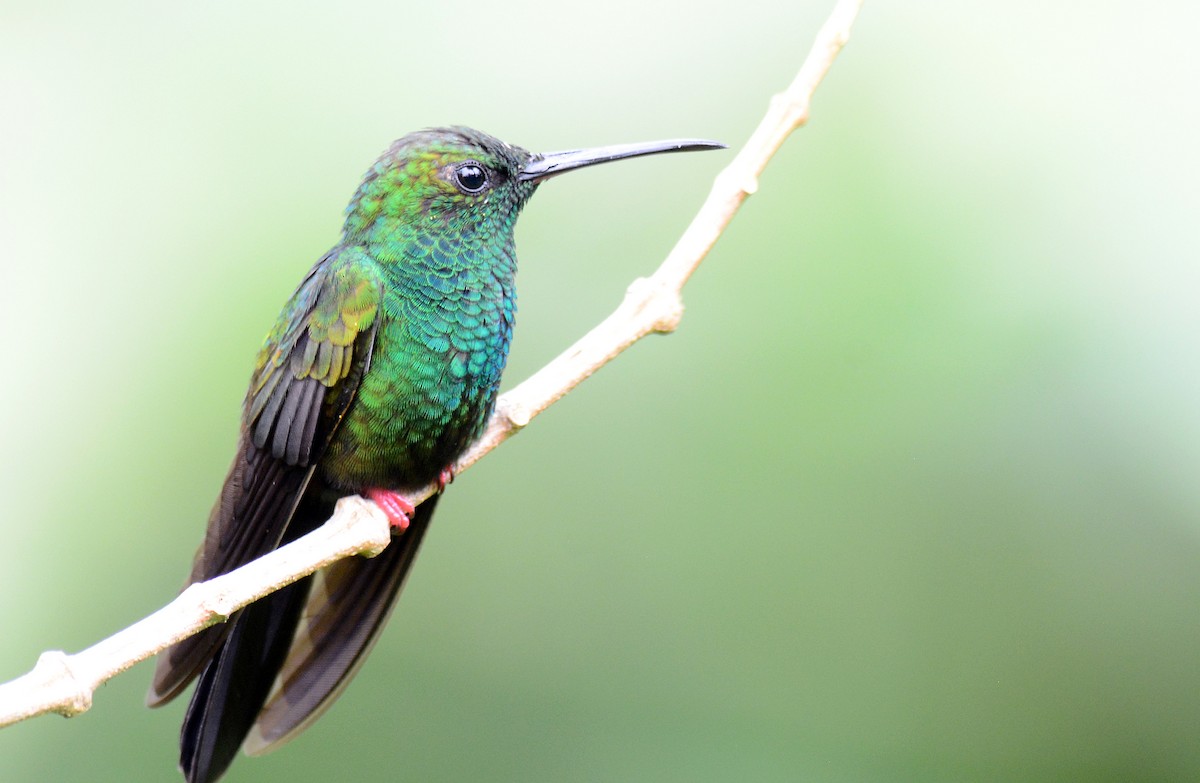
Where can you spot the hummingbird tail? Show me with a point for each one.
(347, 608)
(290, 655)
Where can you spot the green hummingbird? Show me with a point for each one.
(382, 368)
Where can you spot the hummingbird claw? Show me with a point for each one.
(395, 506)
(444, 478)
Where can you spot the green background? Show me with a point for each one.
(911, 496)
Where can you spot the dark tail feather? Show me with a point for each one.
(347, 608)
(234, 685)
(236, 681)
(288, 656)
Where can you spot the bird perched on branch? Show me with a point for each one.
(380, 371)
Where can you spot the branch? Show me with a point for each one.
(65, 683)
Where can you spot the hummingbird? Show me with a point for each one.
(382, 368)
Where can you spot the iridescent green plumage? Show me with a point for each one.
(439, 265)
(382, 368)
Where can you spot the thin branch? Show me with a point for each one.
(65, 683)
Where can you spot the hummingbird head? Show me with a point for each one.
(440, 178)
(466, 182)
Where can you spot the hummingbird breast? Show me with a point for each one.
(434, 371)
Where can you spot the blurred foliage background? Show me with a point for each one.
(911, 496)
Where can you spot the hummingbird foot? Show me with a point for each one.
(395, 506)
(444, 478)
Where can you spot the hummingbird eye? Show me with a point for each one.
(470, 177)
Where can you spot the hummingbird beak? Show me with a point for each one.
(551, 164)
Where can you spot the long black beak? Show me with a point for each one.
(551, 164)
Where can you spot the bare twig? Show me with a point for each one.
(65, 683)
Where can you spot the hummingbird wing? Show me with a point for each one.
(304, 380)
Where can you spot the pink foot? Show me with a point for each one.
(444, 478)
(395, 506)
